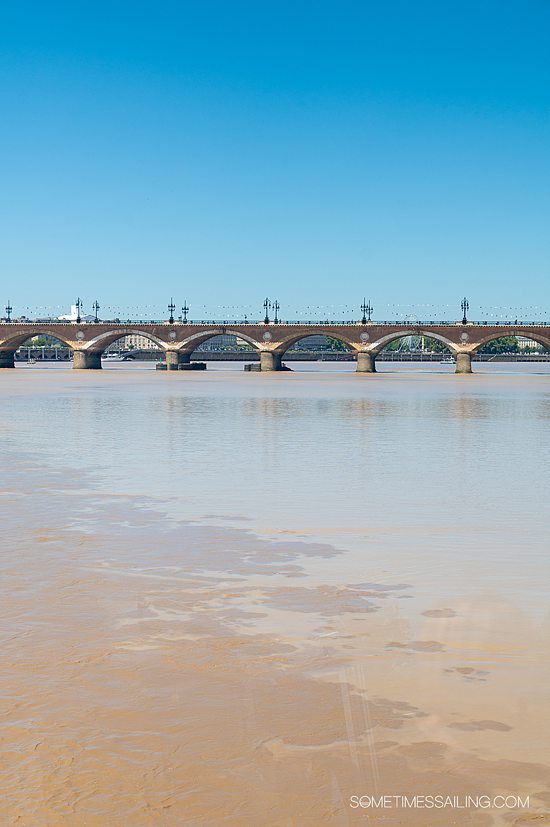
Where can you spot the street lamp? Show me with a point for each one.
(184, 312)
(465, 306)
(9, 308)
(95, 307)
(276, 307)
(171, 308)
(366, 309)
(78, 309)
(267, 305)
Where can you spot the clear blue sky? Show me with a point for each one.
(314, 152)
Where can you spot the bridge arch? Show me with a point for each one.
(11, 343)
(282, 347)
(377, 346)
(525, 334)
(99, 343)
(192, 342)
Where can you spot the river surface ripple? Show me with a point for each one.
(240, 599)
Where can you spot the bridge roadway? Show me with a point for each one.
(88, 340)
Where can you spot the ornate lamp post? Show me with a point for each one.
(171, 308)
(95, 308)
(78, 309)
(366, 309)
(276, 308)
(465, 306)
(267, 305)
(9, 308)
(184, 312)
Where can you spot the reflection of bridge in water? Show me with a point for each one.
(271, 341)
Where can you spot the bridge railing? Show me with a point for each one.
(409, 323)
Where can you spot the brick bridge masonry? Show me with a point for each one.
(179, 340)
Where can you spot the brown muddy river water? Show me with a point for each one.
(243, 599)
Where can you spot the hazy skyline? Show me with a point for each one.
(314, 153)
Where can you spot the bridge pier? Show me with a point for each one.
(366, 362)
(7, 359)
(86, 360)
(463, 363)
(269, 360)
(175, 358)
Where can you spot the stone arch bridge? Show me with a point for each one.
(89, 340)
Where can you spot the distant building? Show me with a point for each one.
(529, 344)
(73, 316)
(134, 341)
